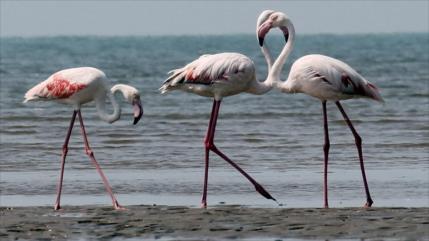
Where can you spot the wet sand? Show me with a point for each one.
(215, 223)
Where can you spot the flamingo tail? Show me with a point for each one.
(177, 76)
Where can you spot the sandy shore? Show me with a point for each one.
(216, 223)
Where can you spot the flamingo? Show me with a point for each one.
(319, 76)
(76, 87)
(218, 76)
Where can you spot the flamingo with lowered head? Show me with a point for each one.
(76, 87)
(218, 76)
(319, 76)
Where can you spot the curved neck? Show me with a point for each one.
(257, 87)
(267, 54)
(101, 108)
(277, 67)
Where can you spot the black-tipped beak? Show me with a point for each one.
(137, 109)
(261, 41)
(263, 30)
(285, 32)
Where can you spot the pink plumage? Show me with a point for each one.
(63, 86)
(77, 86)
(327, 78)
(320, 76)
(60, 87)
(218, 76)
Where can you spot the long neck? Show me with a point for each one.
(257, 87)
(267, 54)
(101, 108)
(277, 67)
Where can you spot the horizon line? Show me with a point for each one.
(200, 35)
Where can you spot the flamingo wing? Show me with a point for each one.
(208, 69)
(336, 76)
(63, 84)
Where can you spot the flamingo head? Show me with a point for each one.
(263, 17)
(270, 19)
(132, 96)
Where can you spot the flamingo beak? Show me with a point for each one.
(137, 109)
(285, 32)
(263, 30)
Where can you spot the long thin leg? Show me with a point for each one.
(206, 178)
(207, 153)
(90, 153)
(358, 141)
(258, 186)
(326, 152)
(210, 145)
(63, 160)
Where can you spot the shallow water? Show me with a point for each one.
(293, 189)
(277, 138)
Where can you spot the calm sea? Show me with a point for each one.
(276, 137)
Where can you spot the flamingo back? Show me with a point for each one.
(64, 85)
(327, 78)
(227, 68)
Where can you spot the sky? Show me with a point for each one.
(113, 18)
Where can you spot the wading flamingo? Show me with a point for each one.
(217, 76)
(76, 87)
(319, 76)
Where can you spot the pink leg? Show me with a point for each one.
(90, 153)
(209, 143)
(63, 160)
(207, 153)
(206, 177)
(358, 141)
(326, 152)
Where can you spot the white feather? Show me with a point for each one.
(324, 77)
(216, 75)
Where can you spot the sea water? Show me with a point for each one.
(277, 138)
